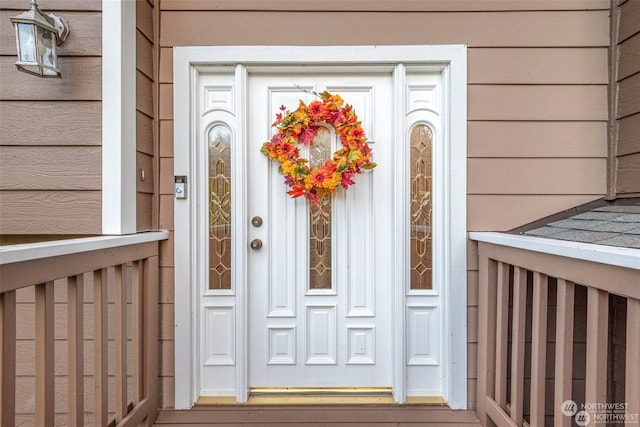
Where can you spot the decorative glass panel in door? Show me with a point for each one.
(421, 142)
(219, 148)
(320, 218)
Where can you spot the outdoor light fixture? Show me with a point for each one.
(37, 37)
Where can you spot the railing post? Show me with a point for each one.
(517, 343)
(45, 358)
(8, 358)
(100, 364)
(120, 335)
(486, 333)
(75, 341)
(150, 281)
(538, 348)
(564, 350)
(597, 333)
(137, 335)
(502, 328)
(632, 363)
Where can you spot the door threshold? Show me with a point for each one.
(321, 396)
(298, 400)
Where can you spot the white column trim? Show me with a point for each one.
(239, 219)
(118, 117)
(456, 234)
(401, 228)
(185, 296)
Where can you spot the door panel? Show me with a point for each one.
(319, 289)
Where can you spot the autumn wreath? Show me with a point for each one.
(301, 126)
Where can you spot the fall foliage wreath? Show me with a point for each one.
(301, 126)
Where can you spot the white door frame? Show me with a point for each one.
(452, 61)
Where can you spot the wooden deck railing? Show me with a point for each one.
(532, 373)
(121, 272)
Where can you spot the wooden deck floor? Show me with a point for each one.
(318, 415)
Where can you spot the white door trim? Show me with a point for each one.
(452, 60)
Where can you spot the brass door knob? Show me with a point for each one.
(255, 244)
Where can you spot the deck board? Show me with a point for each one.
(318, 415)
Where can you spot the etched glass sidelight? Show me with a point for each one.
(421, 142)
(219, 147)
(320, 219)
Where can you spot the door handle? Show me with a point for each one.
(255, 244)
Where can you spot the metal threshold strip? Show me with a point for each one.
(320, 391)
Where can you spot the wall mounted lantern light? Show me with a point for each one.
(37, 36)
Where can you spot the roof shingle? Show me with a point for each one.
(613, 225)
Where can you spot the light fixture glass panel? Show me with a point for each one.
(26, 39)
(421, 180)
(320, 218)
(219, 147)
(46, 51)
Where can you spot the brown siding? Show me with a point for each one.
(384, 5)
(81, 121)
(50, 153)
(146, 88)
(626, 99)
(537, 74)
(477, 29)
(49, 168)
(51, 211)
(83, 38)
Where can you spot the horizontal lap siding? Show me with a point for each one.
(58, 5)
(385, 5)
(476, 29)
(50, 168)
(51, 211)
(81, 121)
(532, 72)
(50, 143)
(627, 99)
(537, 96)
(83, 39)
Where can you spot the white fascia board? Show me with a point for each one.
(118, 117)
(611, 255)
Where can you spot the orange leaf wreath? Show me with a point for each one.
(301, 126)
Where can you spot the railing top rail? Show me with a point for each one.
(32, 251)
(620, 257)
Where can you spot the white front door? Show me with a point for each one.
(320, 285)
(366, 289)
